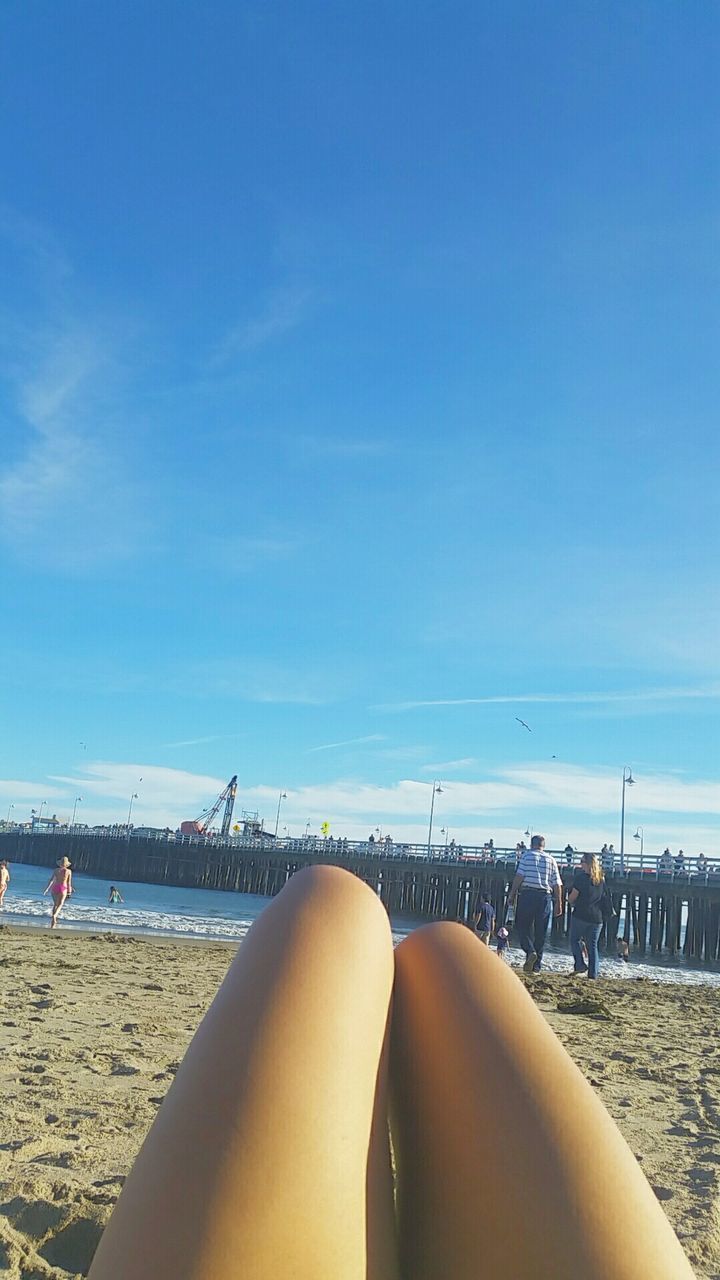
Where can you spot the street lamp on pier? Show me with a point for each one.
(627, 781)
(436, 791)
(134, 796)
(444, 832)
(78, 800)
(10, 809)
(42, 806)
(640, 835)
(281, 797)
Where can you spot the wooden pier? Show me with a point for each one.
(652, 907)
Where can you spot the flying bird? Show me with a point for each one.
(524, 725)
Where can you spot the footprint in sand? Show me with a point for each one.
(72, 1248)
(124, 1069)
(703, 1177)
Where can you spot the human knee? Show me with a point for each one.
(440, 943)
(339, 895)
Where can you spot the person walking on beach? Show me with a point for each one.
(536, 887)
(485, 920)
(60, 886)
(4, 879)
(587, 897)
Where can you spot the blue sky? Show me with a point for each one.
(359, 394)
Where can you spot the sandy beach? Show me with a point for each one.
(93, 1028)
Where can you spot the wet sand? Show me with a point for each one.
(93, 1027)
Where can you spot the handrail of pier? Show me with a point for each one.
(614, 865)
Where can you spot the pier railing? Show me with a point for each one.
(614, 864)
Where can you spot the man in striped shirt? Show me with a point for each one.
(536, 887)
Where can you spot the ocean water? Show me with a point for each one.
(165, 911)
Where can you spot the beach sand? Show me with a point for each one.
(93, 1027)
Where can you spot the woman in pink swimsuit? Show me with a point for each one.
(60, 886)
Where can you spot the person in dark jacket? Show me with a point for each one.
(588, 901)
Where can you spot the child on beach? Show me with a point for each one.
(60, 886)
(4, 879)
(501, 943)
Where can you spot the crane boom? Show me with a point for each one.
(230, 791)
(201, 826)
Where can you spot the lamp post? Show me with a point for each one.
(308, 824)
(78, 800)
(640, 835)
(42, 806)
(134, 796)
(281, 797)
(444, 832)
(436, 791)
(10, 809)
(627, 781)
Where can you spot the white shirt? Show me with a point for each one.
(539, 870)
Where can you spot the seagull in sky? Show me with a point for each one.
(524, 725)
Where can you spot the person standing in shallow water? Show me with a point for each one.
(60, 886)
(587, 897)
(4, 879)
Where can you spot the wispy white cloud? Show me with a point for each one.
(282, 310)
(42, 254)
(252, 679)
(637, 695)
(164, 796)
(196, 742)
(347, 447)
(65, 495)
(349, 742)
(242, 553)
(449, 766)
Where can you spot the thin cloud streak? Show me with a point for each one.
(349, 742)
(639, 695)
(196, 742)
(446, 766)
(282, 311)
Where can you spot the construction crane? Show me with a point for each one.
(201, 826)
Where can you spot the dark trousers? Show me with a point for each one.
(532, 917)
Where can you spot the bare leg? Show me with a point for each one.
(57, 901)
(507, 1162)
(270, 1154)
